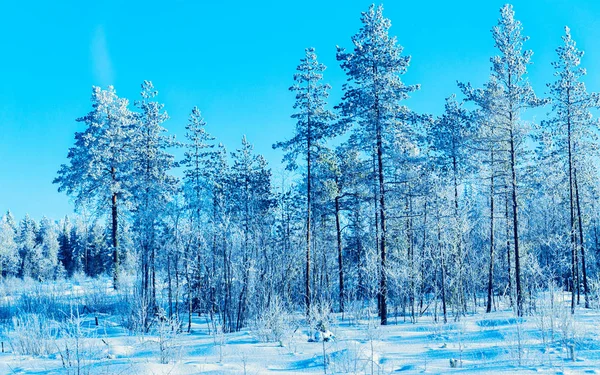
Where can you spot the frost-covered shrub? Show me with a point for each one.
(136, 317)
(356, 311)
(349, 357)
(319, 316)
(274, 323)
(167, 331)
(594, 286)
(47, 299)
(76, 346)
(571, 333)
(32, 334)
(98, 296)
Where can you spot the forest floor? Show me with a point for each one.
(549, 342)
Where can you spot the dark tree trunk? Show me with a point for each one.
(114, 235)
(574, 271)
(490, 288)
(190, 305)
(339, 250)
(581, 242)
(307, 280)
(383, 289)
(462, 301)
(515, 213)
(508, 258)
(423, 254)
(169, 286)
(442, 269)
(383, 284)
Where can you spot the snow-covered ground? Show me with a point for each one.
(551, 341)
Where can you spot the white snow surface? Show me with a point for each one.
(478, 343)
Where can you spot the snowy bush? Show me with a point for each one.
(274, 323)
(570, 333)
(319, 316)
(167, 331)
(349, 358)
(77, 347)
(32, 334)
(357, 311)
(594, 285)
(518, 341)
(136, 318)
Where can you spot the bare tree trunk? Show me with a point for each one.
(423, 253)
(153, 303)
(581, 242)
(339, 249)
(227, 323)
(383, 290)
(308, 297)
(411, 257)
(462, 302)
(190, 305)
(491, 267)
(574, 271)
(169, 286)
(376, 209)
(442, 264)
(177, 283)
(508, 260)
(243, 300)
(513, 169)
(114, 235)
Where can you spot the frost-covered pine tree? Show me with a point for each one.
(9, 255)
(196, 161)
(571, 129)
(152, 185)
(47, 241)
(340, 171)
(450, 138)
(29, 251)
(490, 159)
(372, 101)
(313, 125)
(65, 252)
(514, 95)
(510, 71)
(197, 153)
(98, 172)
(250, 186)
(219, 238)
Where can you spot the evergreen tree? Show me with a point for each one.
(100, 161)
(250, 202)
(509, 71)
(449, 138)
(313, 125)
(47, 242)
(197, 154)
(29, 251)
(9, 255)
(372, 101)
(571, 129)
(153, 187)
(196, 188)
(66, 253)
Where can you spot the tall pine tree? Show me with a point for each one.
(313, 125)
(372, 101)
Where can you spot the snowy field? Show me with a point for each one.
(550, 341)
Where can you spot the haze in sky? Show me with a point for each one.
(235, 61)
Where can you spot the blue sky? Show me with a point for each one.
(235, 61)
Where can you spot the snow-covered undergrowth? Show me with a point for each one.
(83, 327)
